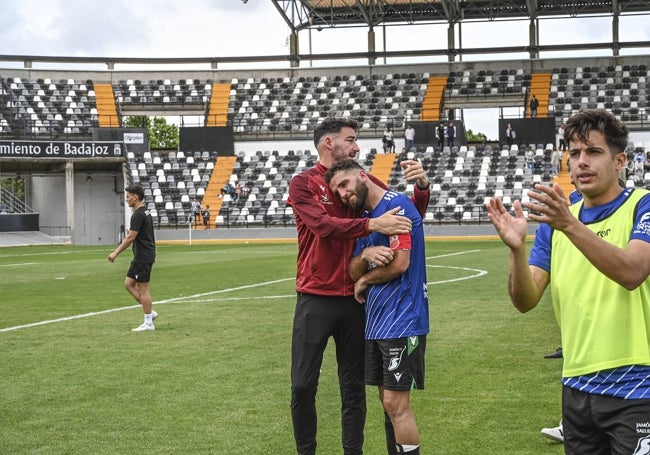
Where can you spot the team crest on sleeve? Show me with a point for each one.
(643, 226)
(394, 242)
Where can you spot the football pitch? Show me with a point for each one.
(213, 378)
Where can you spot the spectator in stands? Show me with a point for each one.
(206, 217)
(562, 143)
(238, 191)
(638, 170)
(244, 189)
(409, 137)
(560, 157)
(646, 163)
(451, 134)
(388, 140)
(554, 162)
(227, 189)
(325, 305)
(530, 158)
(629, 169)
(511, 135)
(639, 156)
(395, 298)
(605, 241)
(141, 236)
(441, 132)
(196, 210)
(534, 104)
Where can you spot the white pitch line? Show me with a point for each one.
(175, 299)
(68, 318)
(51, 253)
(221, 291)
(18, 265)
(469, 277)
(453, 254)
(233, 299)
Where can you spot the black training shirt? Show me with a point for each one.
(144, 245)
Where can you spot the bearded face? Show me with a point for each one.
(351, 186)
(355, 195)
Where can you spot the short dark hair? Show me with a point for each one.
(578, 127)
(137, 190)
(333, 125)
(343, 165)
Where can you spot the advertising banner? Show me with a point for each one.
(61, 149)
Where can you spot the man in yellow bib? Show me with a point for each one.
(595, 255)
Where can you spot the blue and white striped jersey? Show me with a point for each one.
(398, 308)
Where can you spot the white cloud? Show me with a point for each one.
(214, 28)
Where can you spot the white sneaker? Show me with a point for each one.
(143, 327)
(154, 315)
(556, 434)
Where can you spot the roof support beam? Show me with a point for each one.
(616, 9)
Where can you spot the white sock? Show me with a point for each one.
(406, 448)
(148, 319)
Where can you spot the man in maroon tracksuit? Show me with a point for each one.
(325, 305)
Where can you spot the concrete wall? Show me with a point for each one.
(98, 206)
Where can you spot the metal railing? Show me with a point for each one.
(9, 203)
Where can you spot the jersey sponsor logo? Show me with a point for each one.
(643, 446)
(604, 233)
(395, 360)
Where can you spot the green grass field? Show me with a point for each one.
(214, 376)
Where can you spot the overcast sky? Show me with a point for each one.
(205, 28)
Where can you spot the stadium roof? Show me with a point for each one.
(301, 14)
(319, 14)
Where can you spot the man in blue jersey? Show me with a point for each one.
(390, 279)
(594, 255)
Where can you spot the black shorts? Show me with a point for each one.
(140, 271)
(396, 364)
(602, 424)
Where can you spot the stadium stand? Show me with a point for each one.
(622, 89)
(292, 105)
